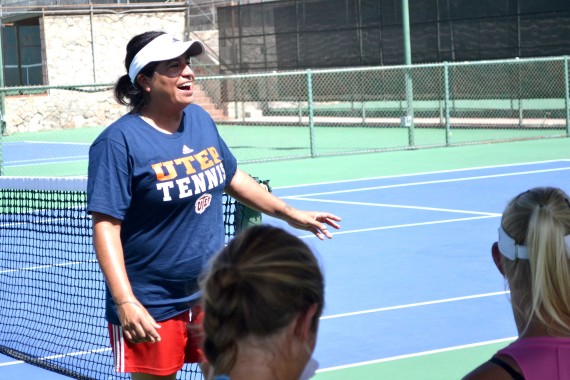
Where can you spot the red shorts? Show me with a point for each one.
(180, 342)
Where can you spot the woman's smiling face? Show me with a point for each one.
(172, 82)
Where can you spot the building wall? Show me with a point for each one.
(72, 57)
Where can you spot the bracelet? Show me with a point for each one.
(131, 302)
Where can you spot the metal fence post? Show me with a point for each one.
(311, 116)
(362, 100)
(2, 104)
(520, 93)
(409, 119)
(93, 56)
(446, 102)
(567, 95)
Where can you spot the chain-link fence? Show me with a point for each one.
(327, 112)
(315, 113)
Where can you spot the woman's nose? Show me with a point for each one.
(187, 71)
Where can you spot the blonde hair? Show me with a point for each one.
(540, 219)
(255, 287)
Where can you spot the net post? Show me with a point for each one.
(246, 217)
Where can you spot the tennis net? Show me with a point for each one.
(52, 290)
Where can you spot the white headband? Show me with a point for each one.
(511, 250)
(162, 48)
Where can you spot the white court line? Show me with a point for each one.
(417, 304)
(423, 353)
(421, 303)
(35, 218)
(335, 232)
(396, 206)
(48, 266)
(426, 182)
(12, 363)
(421, 173)
(45, 142)
(59, 356)
(45, 160)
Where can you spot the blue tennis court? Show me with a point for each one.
(24, 153)
(410, 272)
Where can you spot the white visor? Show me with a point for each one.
(511, 250)
(162, 48)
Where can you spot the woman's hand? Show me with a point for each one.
(138, 325)
(249, 192)
(316, 222)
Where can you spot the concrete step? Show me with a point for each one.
(202, 99)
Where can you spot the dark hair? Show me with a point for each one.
(127, 93)
(255, 287)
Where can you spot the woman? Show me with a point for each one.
(263, 295)
(533, 255)
(156, 178)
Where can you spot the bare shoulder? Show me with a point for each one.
(491, 371)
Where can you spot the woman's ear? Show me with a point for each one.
(497, 257)
(143, 80)
(304, 323)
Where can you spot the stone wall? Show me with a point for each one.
(72, 57)
(60, 109)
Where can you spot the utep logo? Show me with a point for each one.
(203, 172)
(202, 203)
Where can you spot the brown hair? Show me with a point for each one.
(255, 287)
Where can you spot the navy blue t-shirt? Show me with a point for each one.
(167, 191)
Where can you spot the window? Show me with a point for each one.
(22, 53)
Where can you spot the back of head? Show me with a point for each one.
(255, 287)
(540, 220)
